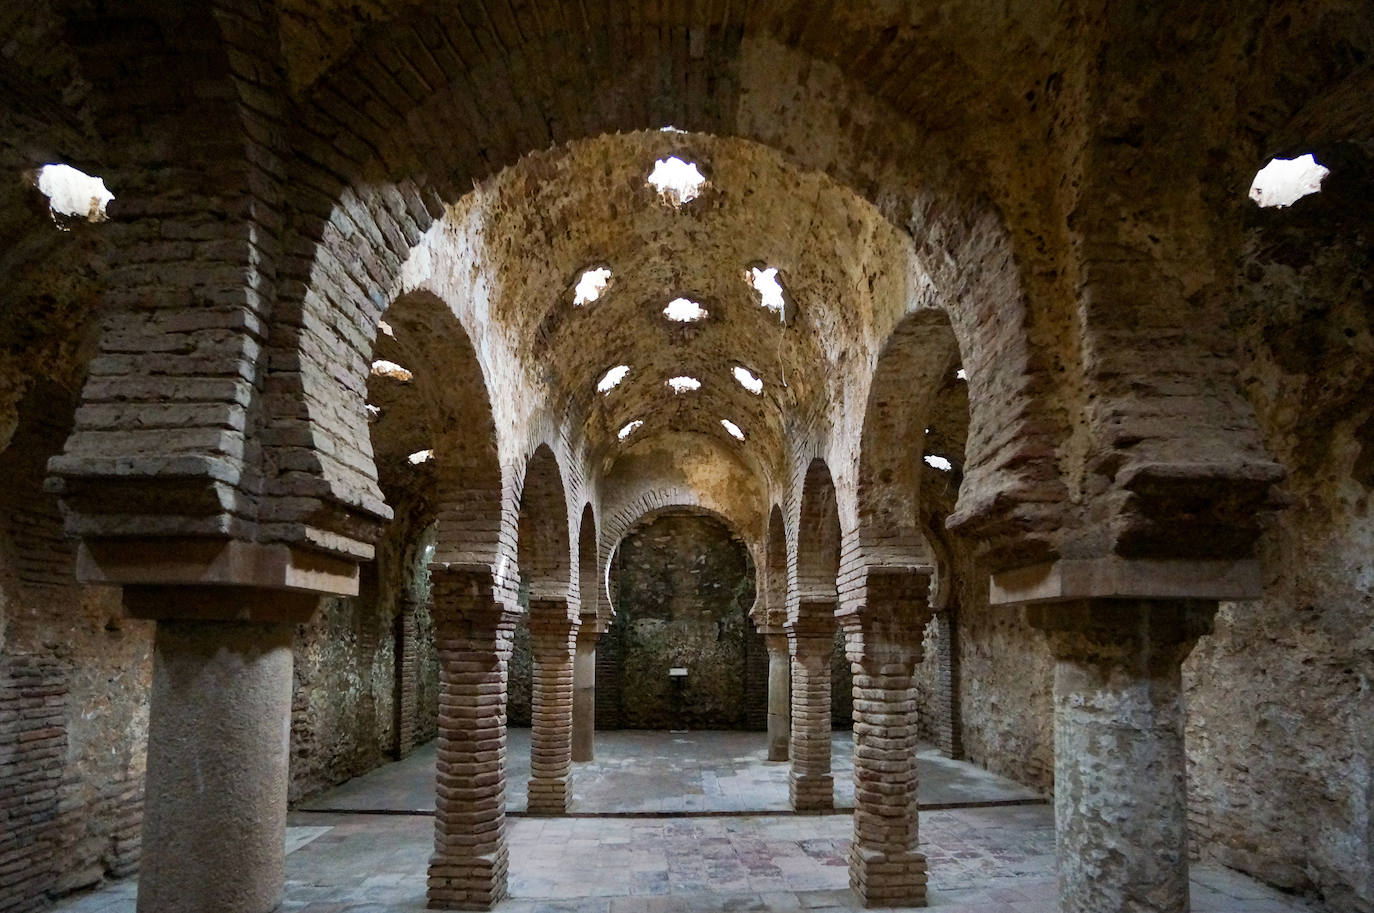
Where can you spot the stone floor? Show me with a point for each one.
(638, 772)
(995, 854)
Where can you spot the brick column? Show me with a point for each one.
(407, 668)
(1120, 797)
(553, 638)
(947, 726)
(883, 645)
(214, 825)
(779, 694)
(811, 641)
(473, 634)
(584, 690)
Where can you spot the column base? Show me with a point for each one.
(475, 883)
(888, 879)
(549, 795)
(809, 793)
(777, 751)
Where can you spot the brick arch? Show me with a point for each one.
(545, 546)
(775, 570)
(383, 184)
(919, 353)
(450, 385)
(655, 504)
(587, 564)
(817, 563)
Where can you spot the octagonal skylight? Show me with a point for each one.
(629, 429)
(748, 380)
(765, 282)
(676, 181)
(938, 462)
(420, 456)
(73, 193)
(591, 285)
(732, 428)
(684, 310)
(1283, 182)
(383, 368)
(684, 384)
(612, 378)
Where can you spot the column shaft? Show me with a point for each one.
(407, 670)
(883, 642)
(779, 696)
(584, 693)
(1121, 800)
(214, 823)
(810, 784)
(473, 633)
(553, 638)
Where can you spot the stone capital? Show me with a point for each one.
(214, 563)
(1114, 577)
(255, 605)
(1152, 634)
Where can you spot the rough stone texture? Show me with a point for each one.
(1121, 798)
(685, 586)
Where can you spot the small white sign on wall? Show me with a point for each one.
(677, 672)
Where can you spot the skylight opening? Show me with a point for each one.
(420, 456)
(684, 310)
(765, 282)
(961, 374)
(676, 181)
(385, 329)
(629, 429)
(732, 428)
(73, 194)
(373, 412)
(1283, 182)
(748, 380)
(612, 378)
(684, 384)
(938, 462)
(591, 285)
(383, 368)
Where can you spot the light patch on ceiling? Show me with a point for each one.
(629, 429)
(961, 374)
(732, 428)
(1285, 181)
(612, 378)
(748, 380)
(678, 182)
(684, 310)
(670, 129)
(373, 412)
(383, 368)
(420, 456)
(684, 384)
(938, 462)
(74, 193)
(591, 285)
(765, 282)
(385, 329)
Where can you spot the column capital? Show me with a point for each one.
(1115, 577)
(467, 596)
(1099, 630)
(226, 563)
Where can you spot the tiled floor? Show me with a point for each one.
(988, 859)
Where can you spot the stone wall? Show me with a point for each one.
(685, 588)
(74, 679)
(1281, 696)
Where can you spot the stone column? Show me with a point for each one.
(883, 645)
(584, 691)
(214, 824)
(553, 636)
(811, 642)
(473, 636)
(779, 694)
(407, 669)
(1120, 798)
